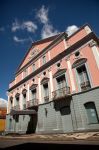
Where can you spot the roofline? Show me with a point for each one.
(86, 24)
(35, 43)
(57, 38)
(73, 47)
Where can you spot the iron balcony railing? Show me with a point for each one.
(33, 102)
(85, 85)
(46, 98)
(24, 106)
(61, 92)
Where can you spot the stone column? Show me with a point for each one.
(39, 87)
(71, 76)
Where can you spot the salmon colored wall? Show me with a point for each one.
(78, 36)
(12, 84)
(19, 78)
(40, 47)
(57, 49)
(92, 65)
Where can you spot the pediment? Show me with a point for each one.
(59, 72)
(44, 80)
(33, 86)
(79, 62)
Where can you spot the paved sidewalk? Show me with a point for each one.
(53, 137)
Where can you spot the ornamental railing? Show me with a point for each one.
(62, 92)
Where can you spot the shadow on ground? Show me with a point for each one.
(53, 146)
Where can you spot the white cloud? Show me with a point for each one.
(17, 40)
(48, 31)
(3, 102)
(2, 29)
(42, 15)
(27, 25)
(71, 29)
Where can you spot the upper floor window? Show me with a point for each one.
(91, 112)
(83, 77)
(61, 81)
(44, 59)
(46, 92)
(33, 67)
(25, 72)
(33, 94)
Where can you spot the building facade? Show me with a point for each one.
(56, 86)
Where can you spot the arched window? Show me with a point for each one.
(91, 112)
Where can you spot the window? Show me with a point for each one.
(46, 92)
(61, 81)
(33, 94)
(24, 100)
(83, 77)
(91, 112)
(25, 72)
(33, 67)
(44, 59)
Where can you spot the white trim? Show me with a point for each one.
(87, 29)
(51, 82)
(39, 86)
(22, 75)
(49, 56)
(65, 45)
(39, 62)
(28, 70)
(28, 93)
(8, 105)
(71, 76)
(21, 100)
(96, 54)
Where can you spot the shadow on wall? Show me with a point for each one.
(32, 124)
(62, 104)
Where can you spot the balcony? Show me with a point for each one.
(17, 107)
(24, 106)
(85, 86)
(31, 103)
(61, 93)
(46, 99)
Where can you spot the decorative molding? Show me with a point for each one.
(33, 53)
(92, 43)
(79, 62)
(87, 29)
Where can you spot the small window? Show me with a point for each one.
(44, 59)
(58, 65)
(91, 112)
(33, 94)
(77, 53)
(33, 67)
(25, 72)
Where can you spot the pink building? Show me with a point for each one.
(56, 86)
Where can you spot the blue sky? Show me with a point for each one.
(22, 22)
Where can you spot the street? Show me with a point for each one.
(27, 143)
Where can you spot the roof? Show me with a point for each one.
(38, 42)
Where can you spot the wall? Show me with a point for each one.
(80, 113)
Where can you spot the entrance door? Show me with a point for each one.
(66, 119)
(31, 128)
